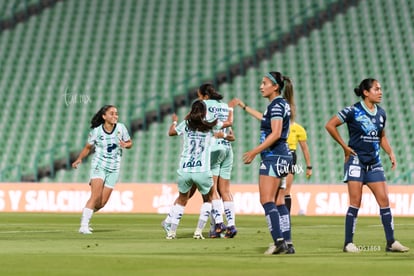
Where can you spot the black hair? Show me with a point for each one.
(97, 119)
(285, 83)
(196, 118)
(209, 90)
(366, 84)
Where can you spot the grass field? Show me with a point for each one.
(135, 244)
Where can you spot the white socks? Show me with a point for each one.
(86, 216)
(230, 213)
(204, 215)
(176, 212)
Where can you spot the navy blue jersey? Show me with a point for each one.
(278, 109)
(364, 129)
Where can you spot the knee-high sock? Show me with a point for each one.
(86, 216)
(217, 210)
(273, 220)
(388, 223)
(350, 223)
(177, 213)
(284, 222)
(288, 202)
(204, 215)
(230, 213)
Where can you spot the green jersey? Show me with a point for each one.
(218, 110)
(107, 149)
(195, 156)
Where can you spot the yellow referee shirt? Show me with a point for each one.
(297, 133)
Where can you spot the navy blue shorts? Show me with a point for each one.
(355, 171)
(277, 166)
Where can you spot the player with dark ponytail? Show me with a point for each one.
(108, 137)
(366, 125)
(276, 157)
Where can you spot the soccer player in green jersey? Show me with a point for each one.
(108, 137)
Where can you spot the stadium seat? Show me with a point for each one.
(124, 55)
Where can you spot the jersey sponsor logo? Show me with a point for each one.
(355, 160)
(380, 169)
(192, 164)
(214, 109)
(381, 119)
(354, 171)
(111, 147)
(366, 124)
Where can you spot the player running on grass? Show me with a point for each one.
(108, 137)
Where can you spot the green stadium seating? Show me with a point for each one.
(60, 66)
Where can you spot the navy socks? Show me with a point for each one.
(350, 224)
(273, 220)
(388, 223)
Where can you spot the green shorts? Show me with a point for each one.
(222, 162)
(109, 178)
(203, 181)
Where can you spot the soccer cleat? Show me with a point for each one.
(271, 249)
(231, 231)
(396, 246)
(212, 234)
(198, 236)
(219, 232)
(166, 226)
(351, 248)
(290, 249)
(85, 230)
(279, 247)
(171, 235)
(90, 228)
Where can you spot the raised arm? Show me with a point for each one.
(171, 130)
(254, 113)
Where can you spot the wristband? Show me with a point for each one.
(309, 167)
(224, 135)
(244, 107)
(174, 123)
(230, 108)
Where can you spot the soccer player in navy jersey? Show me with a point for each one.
(276, 157)
(366, 127)
(108, 137)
